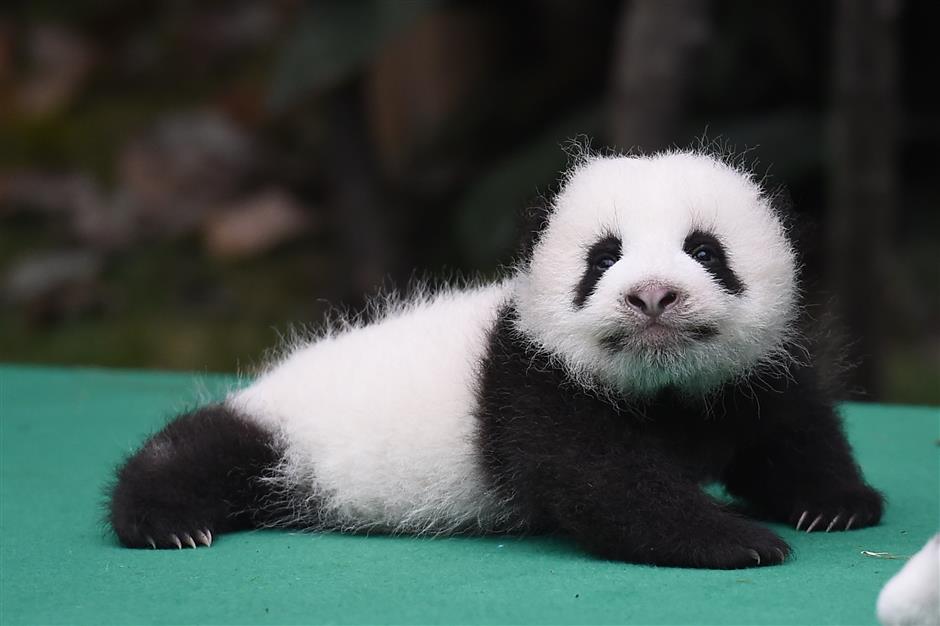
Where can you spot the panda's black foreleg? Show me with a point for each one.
(800, 469)
(636, 506)
(198, 477)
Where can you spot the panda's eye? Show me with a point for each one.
(705, 254)
(604, 262)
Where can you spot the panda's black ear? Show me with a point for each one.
(532, 221)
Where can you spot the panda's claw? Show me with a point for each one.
(802, 517)
(202, 539)
(209, 535)
(833, 522)
(810, 528)
(188, 540)
(151, 542)
(755, 555)
(848, 524)
(176, 542)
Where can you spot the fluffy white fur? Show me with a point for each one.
(378, 421)
(912, 596)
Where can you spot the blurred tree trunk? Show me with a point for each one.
(653, 61)
(863, 182)
(361, 212)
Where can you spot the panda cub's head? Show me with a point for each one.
(655, 272)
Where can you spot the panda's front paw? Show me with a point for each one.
(745, 545)
(841, 510)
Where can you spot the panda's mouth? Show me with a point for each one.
(701, 332)
(657, 336)
(655, 332)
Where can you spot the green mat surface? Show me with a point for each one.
(63, 431)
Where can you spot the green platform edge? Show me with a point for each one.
(63, 431)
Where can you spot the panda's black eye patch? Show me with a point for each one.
(600, 257)
(705, 249)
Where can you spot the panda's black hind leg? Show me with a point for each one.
(197, 478)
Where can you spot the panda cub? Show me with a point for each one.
(646, 343)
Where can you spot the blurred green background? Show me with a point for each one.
(180, 182)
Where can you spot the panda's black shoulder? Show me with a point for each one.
(808, 372)
(514, 371)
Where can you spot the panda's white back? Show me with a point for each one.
(378, 423)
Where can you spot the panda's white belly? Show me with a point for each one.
(379, 423)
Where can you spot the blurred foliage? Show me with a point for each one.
(171, 304)
(409, 134)
(331, 41)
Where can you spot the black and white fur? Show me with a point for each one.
(646, 344)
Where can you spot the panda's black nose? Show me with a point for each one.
(653, 299)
